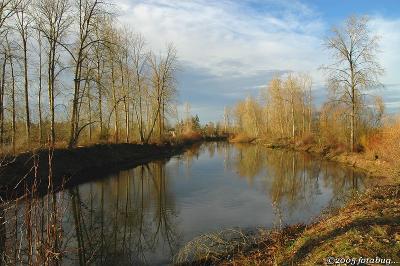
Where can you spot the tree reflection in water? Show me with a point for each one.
(125, 220)
(292, 179)
(144, 215)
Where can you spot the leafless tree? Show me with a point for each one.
(24, 21)
(53, 20)
(163, 82)
(355, 67)
(88, 14)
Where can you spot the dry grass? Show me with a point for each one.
(213, 247)
(241, 138)
(190, 136)
(236, 247)
(352, 231)
(307, 139)
(389, 147)
(31, 225)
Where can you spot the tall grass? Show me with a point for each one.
(31, 225)
(384, 143)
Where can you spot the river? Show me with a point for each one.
(146, 214)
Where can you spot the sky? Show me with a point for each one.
(229, 49)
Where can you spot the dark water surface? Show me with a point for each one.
(146, 214)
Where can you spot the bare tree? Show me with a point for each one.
(87, 13)
(139, 60)
(163, 82)
(23, 26)
(355, 67)
(53, 20)
(111, 70)
(2, 92)
(7, 10)
(13, 94)
(40, 88)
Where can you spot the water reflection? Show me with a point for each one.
(294, 180)
(125, 219)
(144, 215)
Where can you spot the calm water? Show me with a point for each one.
(144, 215)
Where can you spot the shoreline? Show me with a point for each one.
(367, 225)
(71, 167)
(381, 170)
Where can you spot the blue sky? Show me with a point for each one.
(230, 49)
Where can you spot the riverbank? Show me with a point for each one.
(366, 226)
(385, 172)
(70, 167)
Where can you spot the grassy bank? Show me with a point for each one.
(79, 165)
(368, 226)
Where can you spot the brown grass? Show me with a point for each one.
(389, 146)
(190, 136)
(384, 143)
(241, 138)
(308, 139)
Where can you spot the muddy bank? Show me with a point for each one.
(78, 165)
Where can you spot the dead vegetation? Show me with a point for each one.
(386, 143)
(31, 231)
(241, 138)
(233, 246)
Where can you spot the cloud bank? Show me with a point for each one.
(229, 49)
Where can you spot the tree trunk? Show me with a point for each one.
(89, 113)
(353, 107)
(100, 102)
(126, 108)
(2, 87)
(352, 123)
(141, 131)
(309, 111)
(293, 120)
(26, 88)
(116, 124)
(13, 105)
(51, 83)
(40, 90)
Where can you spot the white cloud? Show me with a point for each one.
(389, 32)
(233, 39)
(210, 34)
